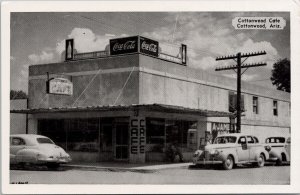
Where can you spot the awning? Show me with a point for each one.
(147, 107)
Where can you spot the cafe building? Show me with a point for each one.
(129, 102)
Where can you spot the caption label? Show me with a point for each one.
(263, 23)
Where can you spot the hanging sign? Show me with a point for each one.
(61, 86)
(123, 45)
(148, 46)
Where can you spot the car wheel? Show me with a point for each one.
(261, 161)
(228, 163)
(279, 161)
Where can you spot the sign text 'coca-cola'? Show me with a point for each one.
(148, 46)
(123, 45)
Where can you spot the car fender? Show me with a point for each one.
(27, 155)
(261, 151)
(224, 154)
(275, 153)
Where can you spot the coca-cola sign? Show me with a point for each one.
(123, 45)
(148, 46)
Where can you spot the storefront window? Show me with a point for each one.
(83, 135)
(155, 131)
(181, 133)
(54, 129)
(161, 132)
(72, 134)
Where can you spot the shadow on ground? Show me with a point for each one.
(38, 168)
(220, 167)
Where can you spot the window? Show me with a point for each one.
(225, 139)
(275, 108)
(43, 140)
(17, 141)
(275, 140)
(255, 105)
(80, 135)
(155, 131)
(250, 140)
(242, 140)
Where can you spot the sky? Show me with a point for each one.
(39, 38)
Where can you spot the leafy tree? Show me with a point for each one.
(281, 75)
(17, 94)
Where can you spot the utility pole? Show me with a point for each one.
(238, 69)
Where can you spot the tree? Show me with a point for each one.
(281, 75)
(17, 94)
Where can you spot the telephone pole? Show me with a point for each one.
(238, 69)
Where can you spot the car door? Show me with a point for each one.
(17, 144)
(242, 149)
(253, 146)
(288, 146)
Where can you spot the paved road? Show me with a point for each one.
(240, 175)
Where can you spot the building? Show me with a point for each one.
(130, 105)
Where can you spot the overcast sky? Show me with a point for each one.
(38, 38)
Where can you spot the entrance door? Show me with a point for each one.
(122, 139)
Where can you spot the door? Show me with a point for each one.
(242, 149)
(122, 140)
(253, 146)
(288, 147)
(15, 145)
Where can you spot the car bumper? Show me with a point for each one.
(207, 162)
(273, 159)
(61, 160)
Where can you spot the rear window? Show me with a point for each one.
(43, 140)
(275, 140)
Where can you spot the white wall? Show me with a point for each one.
(18, 121)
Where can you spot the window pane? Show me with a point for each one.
(44, 141)
(83, 135)
(155, 131)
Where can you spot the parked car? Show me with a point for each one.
(280, 149)
(232, 149)
(36, 149)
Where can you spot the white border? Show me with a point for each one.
(93, 6)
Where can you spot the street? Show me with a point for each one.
(240, 175)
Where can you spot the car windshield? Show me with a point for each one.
(43, 140)
(275, 140)
(225, 139)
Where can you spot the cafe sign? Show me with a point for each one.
(61, 86)
(133, 45)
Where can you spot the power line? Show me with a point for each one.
(133, 32)
(238, 68)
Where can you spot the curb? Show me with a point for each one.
(146, 169)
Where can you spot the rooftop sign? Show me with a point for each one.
(133, 45)
(123, 45)
(148, 46)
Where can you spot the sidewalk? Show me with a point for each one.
(124, 166)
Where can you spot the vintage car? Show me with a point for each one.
(280, 149)
(232, 149)
(36, 149)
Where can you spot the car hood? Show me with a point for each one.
(52, 149)
(219, 146)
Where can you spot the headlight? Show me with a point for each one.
(217, 152)
(196, 154)
(214, 152)
(268, 148)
